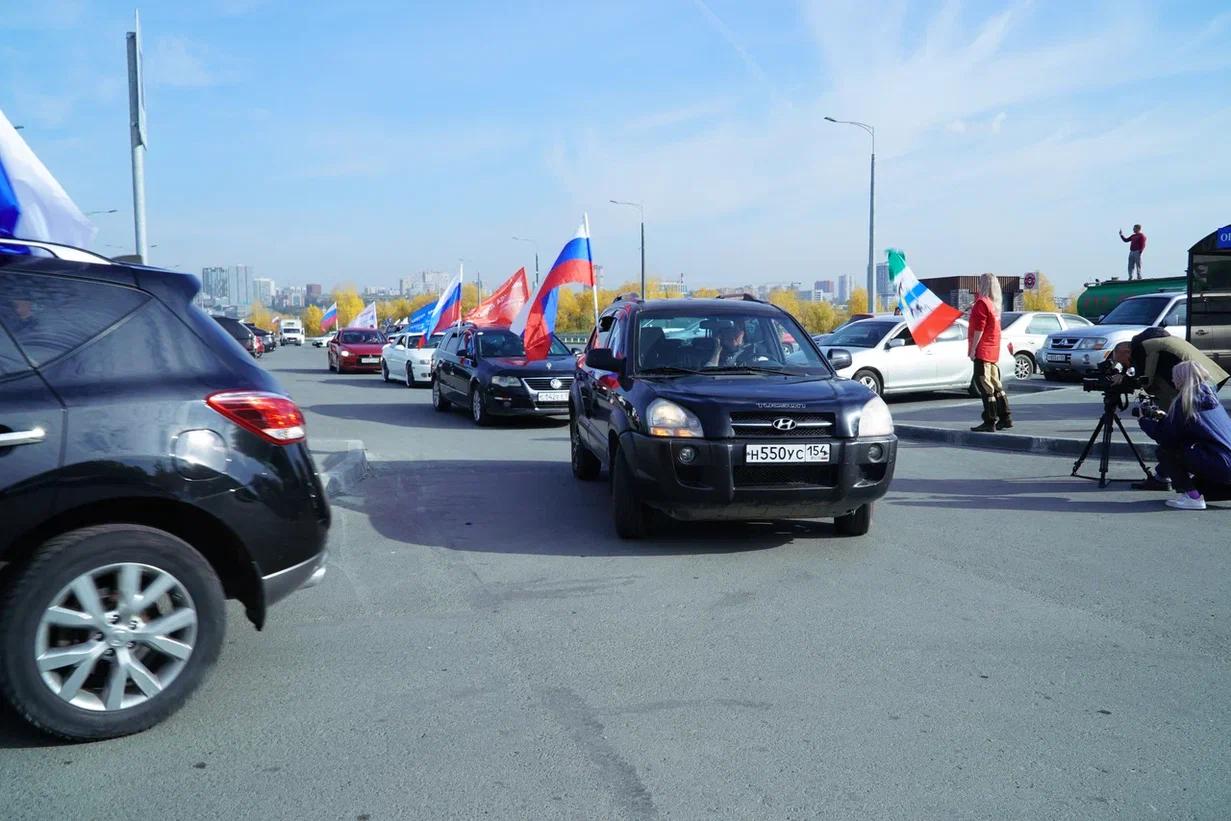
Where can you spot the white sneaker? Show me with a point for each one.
(1186, 502)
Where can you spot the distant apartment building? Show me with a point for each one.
(825, 286)
(312, 293)
(215, 286)
(406, 286)
(263, 290)
(844, 288)
(882, 282)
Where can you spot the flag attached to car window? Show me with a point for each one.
(924, 312)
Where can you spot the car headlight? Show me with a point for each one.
(506, 381)
(875, 419)
(346, 353)
(665, 418)
(1093, 344)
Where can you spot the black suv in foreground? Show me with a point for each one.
(486, 369)
(724, 409)
(149, 469)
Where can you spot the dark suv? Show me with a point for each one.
(149, 469)
(242, 334)
(486, 368)
(724, 409)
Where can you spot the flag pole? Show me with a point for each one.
(461, 290)
(585, 218)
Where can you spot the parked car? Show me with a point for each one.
(1025, 332)
(292, 332)
(486, 370)
(408, 358)
(242, 334)
(320, 341)
(1079, 351)
(698, 412)
(134, 504)
(883, 357)
(268, 339)
(356, 350)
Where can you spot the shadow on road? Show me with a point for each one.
(524, 507)
(1044, 494)
(420, 415)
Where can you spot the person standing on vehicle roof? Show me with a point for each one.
(1136, 245)
(984, 351)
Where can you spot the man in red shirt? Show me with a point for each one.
(1136, 244)
(984, 351)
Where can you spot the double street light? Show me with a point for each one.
(536, 259)
(871, 131)
(641, 209)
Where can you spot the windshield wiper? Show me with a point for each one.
(750, 369)
(666, 370)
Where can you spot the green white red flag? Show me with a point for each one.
(924, 312)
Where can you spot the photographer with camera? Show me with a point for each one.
(1193, 436)
(1153, 353)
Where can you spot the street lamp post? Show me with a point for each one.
(871, 130)
(641, 209)
(536, 259)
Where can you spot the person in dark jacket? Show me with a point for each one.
(1194, 438)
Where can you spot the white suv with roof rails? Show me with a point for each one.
(1079, 351)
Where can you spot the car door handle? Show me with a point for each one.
(22, 437)
(1201, 332)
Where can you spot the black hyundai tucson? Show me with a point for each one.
(724, 409)
(149, 469)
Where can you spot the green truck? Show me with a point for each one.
(1100, 297)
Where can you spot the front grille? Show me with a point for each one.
(784, 475)
(757, 423)
(543, 383)
(1064, 343)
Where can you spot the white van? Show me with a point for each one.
(292, 332)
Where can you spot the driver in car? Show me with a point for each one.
(730, 347)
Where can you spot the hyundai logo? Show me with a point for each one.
(784, 424)
(556, 384)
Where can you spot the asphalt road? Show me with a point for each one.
(1007, 642)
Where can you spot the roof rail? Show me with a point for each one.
(64, 252)
(746, 297)
(631, 296)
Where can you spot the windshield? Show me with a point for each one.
(863, 334)
(724, 341)
(506, 343)
(361, 338)
(1136, 311)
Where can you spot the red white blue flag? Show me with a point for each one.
(448, 308)
(536, 321)
(330, 317)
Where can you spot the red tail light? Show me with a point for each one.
(272, 417)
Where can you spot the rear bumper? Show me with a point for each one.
(718, 484)
(308, 573)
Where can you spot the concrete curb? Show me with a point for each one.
(341, 463)
(1045, 445)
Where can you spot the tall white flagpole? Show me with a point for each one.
(461, 290)
(585, 218)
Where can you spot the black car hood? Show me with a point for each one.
(761, 392)
(551, 366)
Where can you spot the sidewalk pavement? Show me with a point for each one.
(1057, 422)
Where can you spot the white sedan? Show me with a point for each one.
(408, 358)
(885, 358)
(1025, 332)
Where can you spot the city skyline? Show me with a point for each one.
(1009, 139)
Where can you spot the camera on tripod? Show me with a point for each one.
(1116, 387)
(1105, 383)
(1147, 408)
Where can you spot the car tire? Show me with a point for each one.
(630, 514)
(870, 380)
(384, 370)
(84, 557)
(438, 399)
(478, 408)
(1023, 366)
(855, 523)
(586, 466)
(410, 376)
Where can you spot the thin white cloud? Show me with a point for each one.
(724, 31)
(174, 62)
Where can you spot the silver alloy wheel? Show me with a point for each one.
(476, 405)
(869, 382)
(1023, 366)
(116, 636)
(436, 392)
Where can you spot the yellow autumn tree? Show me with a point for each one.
(858, 302)
(311, 319)
(350, 304)
(703, 293)
(260, 316)
(1042, 298)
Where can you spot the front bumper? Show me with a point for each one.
(352, 364)
(520, 402)
(719, 485)
(1082, 362)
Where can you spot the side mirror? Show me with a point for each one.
(604, 360)
(400, 346)
(896, 343)
(839, 358)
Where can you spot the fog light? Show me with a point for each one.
(686, 455)
(876, 453)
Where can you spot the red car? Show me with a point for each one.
(356, 350)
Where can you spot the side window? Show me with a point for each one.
(954, 333)
(49, 316)
(449, 343)
(601, 338)
(1178, 315)
(615, 337)
(1043, 324)
(467, 346)
(11, 360)
(904, 334)
(1075, 321)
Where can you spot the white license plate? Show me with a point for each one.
(1057, 357)
(758, 454)
(369, 360)
(553, 396)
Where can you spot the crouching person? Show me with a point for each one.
(1194, 437)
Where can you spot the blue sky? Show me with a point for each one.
(364, 141)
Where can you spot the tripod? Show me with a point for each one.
(1113, 403)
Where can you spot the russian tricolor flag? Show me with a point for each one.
(537, 319)
(32, 204)
(329, 317)
(448, 308)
